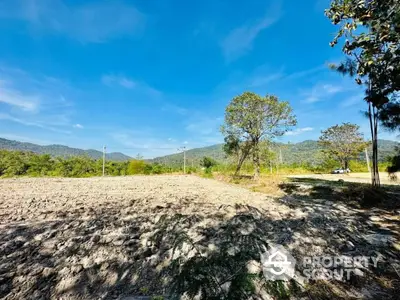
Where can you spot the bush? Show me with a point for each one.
(207, 162)
(137, 167)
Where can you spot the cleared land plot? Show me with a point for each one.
(352, 177)
(105, 238)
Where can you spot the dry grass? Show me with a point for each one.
(267, 184)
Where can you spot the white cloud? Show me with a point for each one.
(322, 91)
(13, 97)
(20, 138)
(240, 40)
(125, 82)
(204, 126)
(263, 80)
(143, 142)
(35, 100)
(7, 117)
(299, 131)
(351, 101)
(174, 109)
(304, 73)
(90, 22)
(79, 126)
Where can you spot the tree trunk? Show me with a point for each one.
(373, 122)
(241, 160)
(256, 161)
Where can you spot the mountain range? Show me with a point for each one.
(59, 150)
(308, 151)
(303, 152)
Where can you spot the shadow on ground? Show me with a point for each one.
(354, 194)
(110, 254)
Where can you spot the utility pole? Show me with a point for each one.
(184, 160)
(367, 159)
(280, 155)
(104, 160)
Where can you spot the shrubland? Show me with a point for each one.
(20, 163)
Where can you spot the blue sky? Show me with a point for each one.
(152, 76)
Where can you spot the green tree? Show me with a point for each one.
(136, 167)
(207, 162)
(236, 148)
(250, 119)
(267, 155)
(372, 48)
(343, 142)
(40, 165)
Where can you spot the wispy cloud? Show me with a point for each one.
(13, 97)
(140, 87)
(111, 80)
(35, 100)
(79, 126)
(90, 22)
(304, 73)
(21, 138)
(8, 117)
(145, 143)
(322, 91)
(205, 126)
(176, 109)
(264, 80)
(299, 131)
(240, 40)
(351, 101)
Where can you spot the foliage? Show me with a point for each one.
(372, 32)
(250, 119)
(372, 47)
(59, 150)
(19, 163)
(394, 164)
(343, 142)
(267, 155)
(136, 166)
(207, 162)
(389, 115)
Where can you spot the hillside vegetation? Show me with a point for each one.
(59, 150)
(307, 152)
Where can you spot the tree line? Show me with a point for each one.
(22, 163)
(253, 121)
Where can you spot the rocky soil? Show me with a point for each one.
(120, 237)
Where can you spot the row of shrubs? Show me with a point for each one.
(18, 163)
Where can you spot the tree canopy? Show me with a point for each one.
(251, 118)
(343, 142)
(371, 29)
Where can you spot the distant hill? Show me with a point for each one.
(59, 150)
(304, 152)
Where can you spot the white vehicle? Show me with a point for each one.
(341, 171)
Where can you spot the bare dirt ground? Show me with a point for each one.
(352, 177)
(116, 238)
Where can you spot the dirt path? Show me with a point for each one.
(113, 238)
(352, 177)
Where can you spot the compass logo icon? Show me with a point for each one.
(278, 264)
